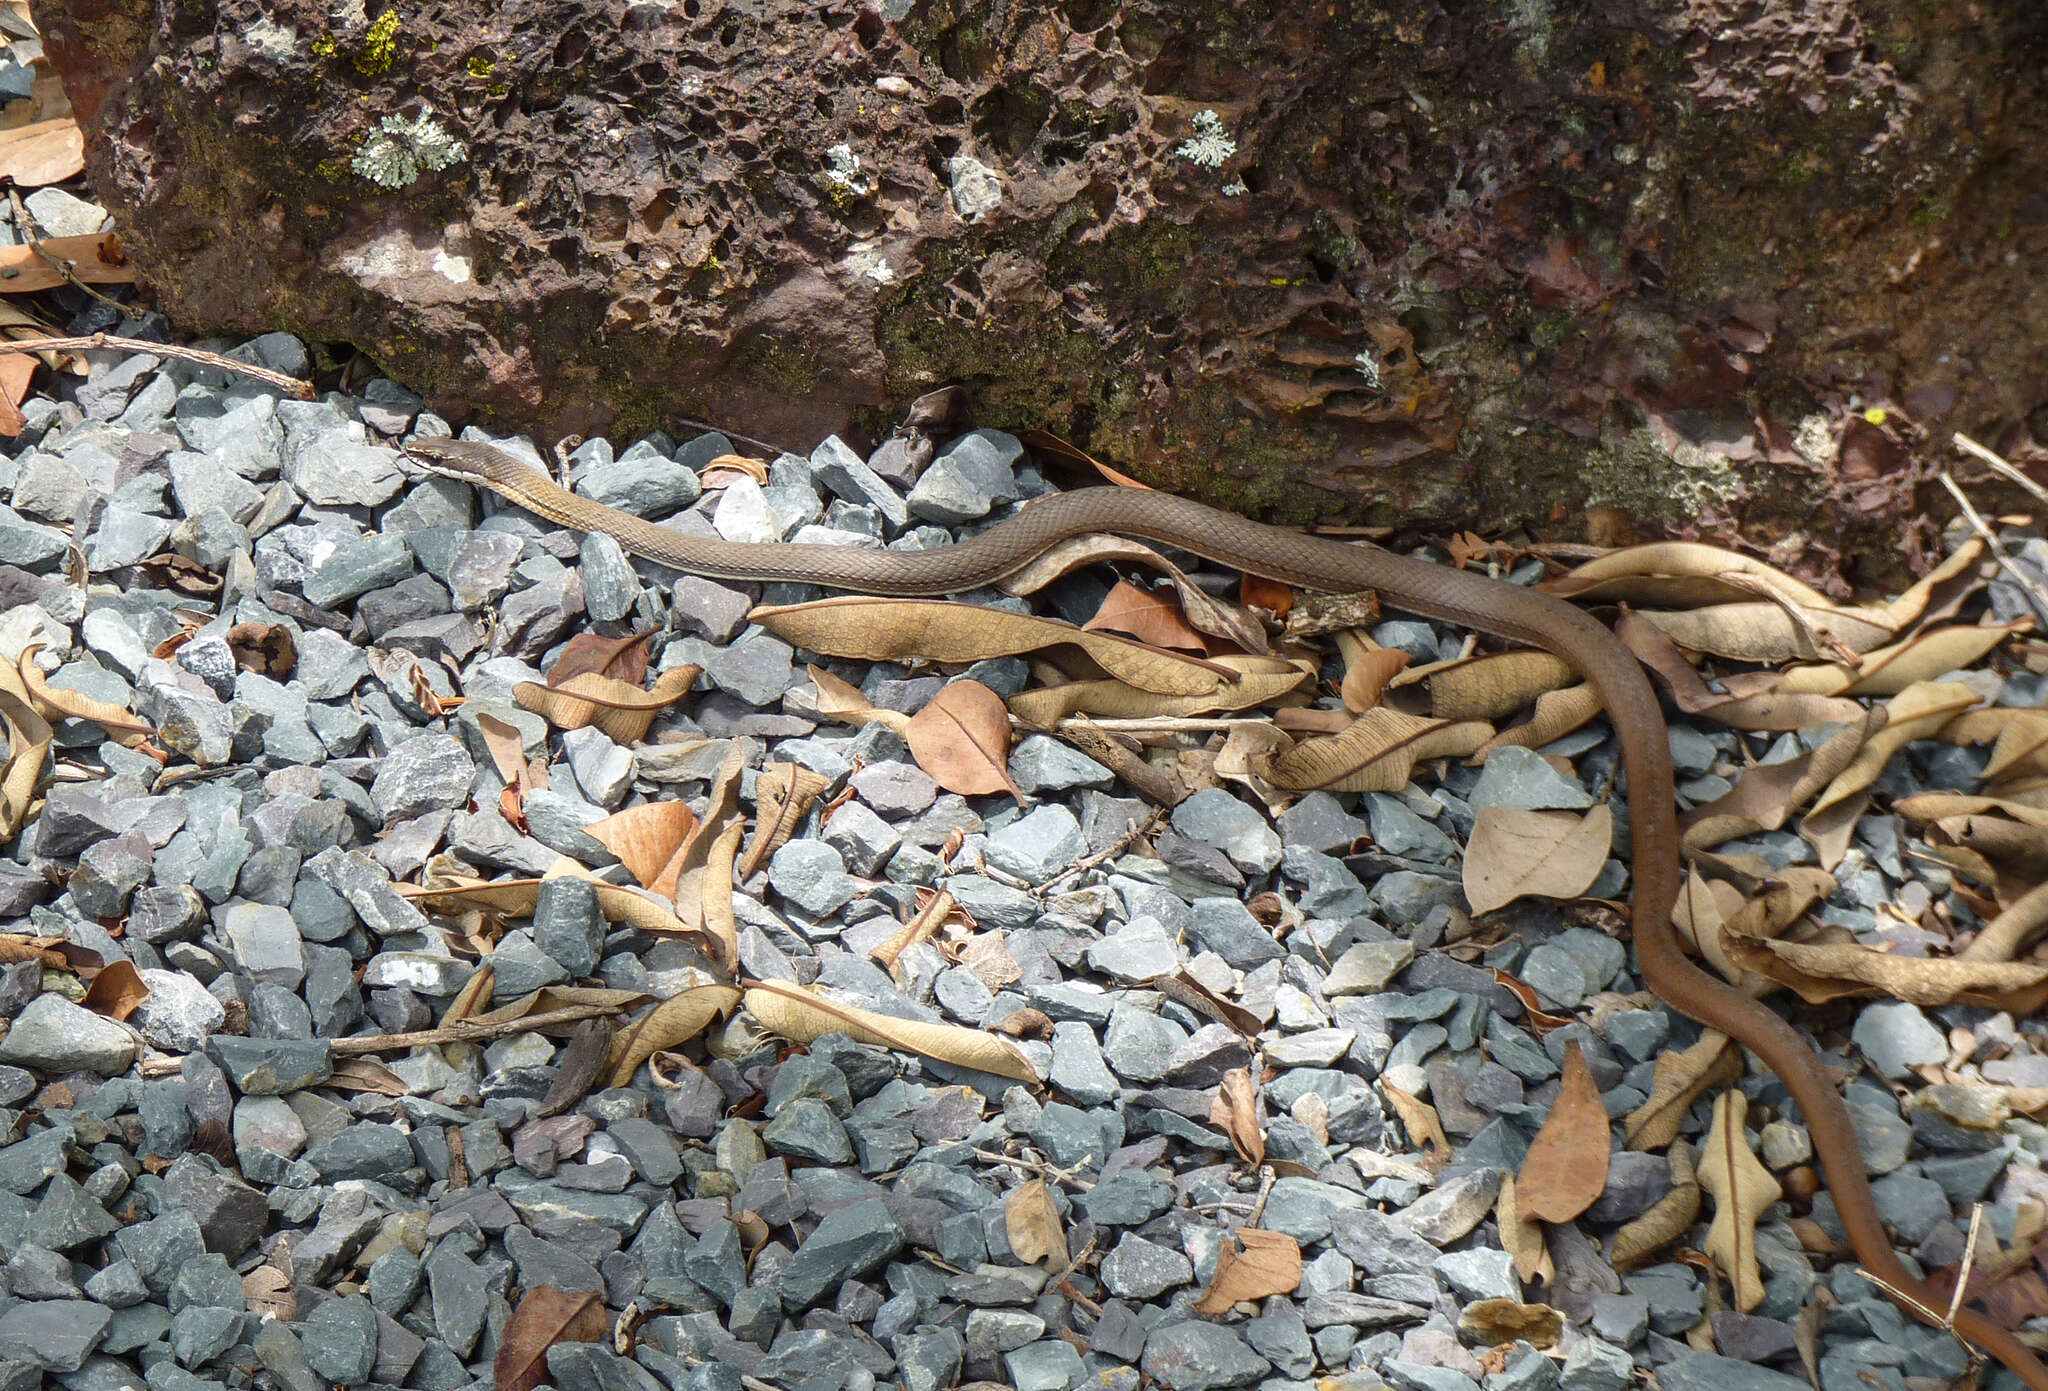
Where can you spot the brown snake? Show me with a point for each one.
(1417, 586)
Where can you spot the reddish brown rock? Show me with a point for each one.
(1408, 261)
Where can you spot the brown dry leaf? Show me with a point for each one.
(55, 703)
(28, 744)
(1378, 753)
(1368, 668)
(366, 1075)
(933, 909)
(1678, 1080)
(1492, 686)
(2018, 736)
(622, 711)
(842, 701)
(117, 991)
(1274, 596)
(1889, 670)
(95, 258)
(674, 1021)
(1203, 611)
(1742, 1189)
(1258, 1264)
(1236, 1111)
(1255, 681)
(681, 879)
(1917, 712)
(645, 838)
(738, 465)
(42, 153)
(1668, 1220)
(507, 747)
(1680, 574)
(962, 738)
(1521, 1236)
(1543, 854)
(936, 630)
(783, 793)
(1557, 714)
(17, 370)
(514, 898)
(1420, 1120)
(268, 1290)
(1146, 615)
(801, 1016)
(1032, 1220)
(1565, 1170)
(1766, 795)
(1820, 972)
(474, 997)
(1540, 1022)
(1185, 989)
(622, 659)
(1769, 633)
(545, 1317)
(267, 649)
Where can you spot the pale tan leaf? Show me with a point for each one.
(1543, 854)
(923, 925)
(681, 878)
(55, 703)
(1236, 1111)
(1143, 614)
(962, 738)
(1255, 681)
(1378, 753)
(93, 257)
(1032, 1221)
(1203, 610)
(1492, 686)
(1255, 1266)
(474, 997)
(1557, 714)
(268, 1290)
(879, 630)
(674, 1021)
(1521, 1236)
(1769, 633)
(1424, 1127)
(623, 712)
(514, 898)
(507, 747)
(1917, 712)
(1678, 1080)
(1566, 1167)
(1930, 807)
(842, 701)
(1368, 668)
(1668, 1220)
(28, 744)
(720, 923)
(1889, 670)
(1766, 795)
(366, 1075)
(783, 794)
(801, 1016)
(1820, 972)
(646, 837)
(1679, 574)
(42, 153)
(1742, 1188)
(2018, 736)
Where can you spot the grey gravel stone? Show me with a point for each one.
(58, 1036)
(1195, 1356)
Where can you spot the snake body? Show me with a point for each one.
(1415, 586)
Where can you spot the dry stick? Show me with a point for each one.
(470, 1030)
(23, 221)
(2032, 587)
(2000, 466)
(1140, 828)
(303, 390)
(1148, 782)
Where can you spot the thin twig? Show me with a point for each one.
(1969, 1260)
(2000, 466)
(1033, 1166)
(470, 1030)
(31, 235)
(1160, 724)
(1140, 828)
(2036, 595)
(299, 388)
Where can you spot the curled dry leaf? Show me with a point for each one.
(1490, 687)
(1566, 1167)
(116, 991)
(933, 909)
(514, 898)
(622, 711)
(545, 1317)
(645, 838)
(1820, 972)
(55, 703)
(880, 630)
(1889, 670)
(1679, 574)
(842, 701)
(1254, 681)
(1031, 1218)
(366, 1075)
(1557, 714)
(801, 1016)
(783, 794)
(1183, 988)
(267, 1290)
(1203, 611)
(1378, 753)
(1669, 1219)
(962, 738)
(2018, 736)
(1368, 668)
(267, 649)
(674, 1021)
(622, 659)
(1146, 615)
(1678, 1080)
(721, 924)
(1766, 795)
(1543, 854)
(1917, 712)
(1254, 1266)
(28, 744)
(1420, 1120)
(1742, 1189)
(1236, 1112)
(1521, 1236)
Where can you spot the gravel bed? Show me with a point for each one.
(198, 1198)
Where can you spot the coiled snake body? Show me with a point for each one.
(1416, 586)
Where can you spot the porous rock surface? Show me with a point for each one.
(1384, 259)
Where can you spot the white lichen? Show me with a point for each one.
(1235, 189)
(977, 189)
(1210, 145)
(842, 171)
(271, 39)
(867, 260)
(1368, 367)
(402, 148)
(455, 269)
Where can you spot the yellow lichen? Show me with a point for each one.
(324, 46)
(480, 66)
(379, 46)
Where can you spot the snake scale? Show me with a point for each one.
(1415, 586)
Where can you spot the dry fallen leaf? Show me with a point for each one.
(842, 701)
(1544, 854)
(645, 838)
(1255, 681)
(962, 738)
(514, 898)
(674, 1021)
(1236, 1112)
(783, 794)
(545, 1316)
(1490, 687)
(1367, 670)
(1566, 1167)
(1521, 1236)
(95, 258)
(267, 649)
(1146, 615)
(42, 153)
(1377, 753)
(268, 1290)
(1742, 1189)
(624, 712)
(117, 991)
(1032, 1220)
(801, 1016)
(1820, 972)
(1205, 612)
(1669, 1219)
(1678, 1080)
(1256, 1265)
(28, 744)
(1420, 1120)
(622, 659)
